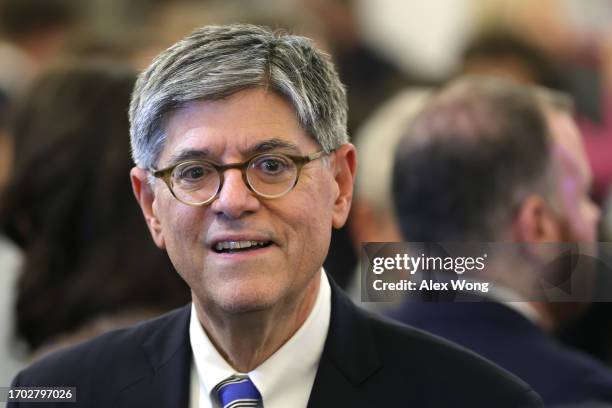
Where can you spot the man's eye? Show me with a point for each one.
(194, 172)
(272, 165)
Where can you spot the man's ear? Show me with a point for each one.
(345, 165)
(146, 199)
(535, 221)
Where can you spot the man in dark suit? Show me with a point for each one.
(243, 169)
(490, 160)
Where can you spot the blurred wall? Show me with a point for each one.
(423, 35)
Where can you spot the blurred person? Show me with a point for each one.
(243, 167)
(491, 160)
(6, 146)
(582, 68)
(507, 54)
(10, 259)
(575, 35)
(135, 50)
(89, 265)
(587, 57)
(32, 33)
(502, 53)
(598, 130)
(543, 23)
(372, 213)
(592, 331)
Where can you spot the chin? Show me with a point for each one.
(245, 306)
(245, 300)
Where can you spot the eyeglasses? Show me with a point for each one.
(268, 175)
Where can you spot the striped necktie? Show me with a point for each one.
(238, 391)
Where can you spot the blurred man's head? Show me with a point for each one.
(506, 54)
(492, 160)
(372, 215)
(39, 26)
(574, 178)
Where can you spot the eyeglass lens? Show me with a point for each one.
(269, 176)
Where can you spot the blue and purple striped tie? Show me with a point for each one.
(238, 392)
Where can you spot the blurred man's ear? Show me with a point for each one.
(345, 166)
(146, 199)
(535, 221)
(371, 224)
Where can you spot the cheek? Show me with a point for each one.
(580, 218)
(308, 216)
(590, 216)
(308, 247)
(570, 200)
(315, 222)
(181, 227)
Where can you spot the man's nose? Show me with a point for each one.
(234, 199)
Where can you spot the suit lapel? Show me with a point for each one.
(349, 356)
(165, 378)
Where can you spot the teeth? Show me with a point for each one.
(237, 244)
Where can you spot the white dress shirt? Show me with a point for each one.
(285, 379)
(11, 259)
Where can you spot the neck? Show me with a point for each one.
(246, 340)
(552, 314)
(546, 319)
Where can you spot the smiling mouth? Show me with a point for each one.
(230, 247)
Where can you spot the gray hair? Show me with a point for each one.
(217, 61)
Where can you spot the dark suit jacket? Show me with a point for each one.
(366, 362)
(559, 374)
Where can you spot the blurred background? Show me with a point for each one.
(381, 48)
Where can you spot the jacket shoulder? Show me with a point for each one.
(443, 369)
(97, 360)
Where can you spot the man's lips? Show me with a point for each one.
(238, 246)
(243, 243)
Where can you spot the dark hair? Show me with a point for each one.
(19, 18)
(467, 160)
(498, 44)
(69, 205)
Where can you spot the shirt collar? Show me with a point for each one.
(299, 356)
(514, 301)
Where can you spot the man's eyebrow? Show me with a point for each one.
(264, 146)
(269, 145)
(189, 154)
